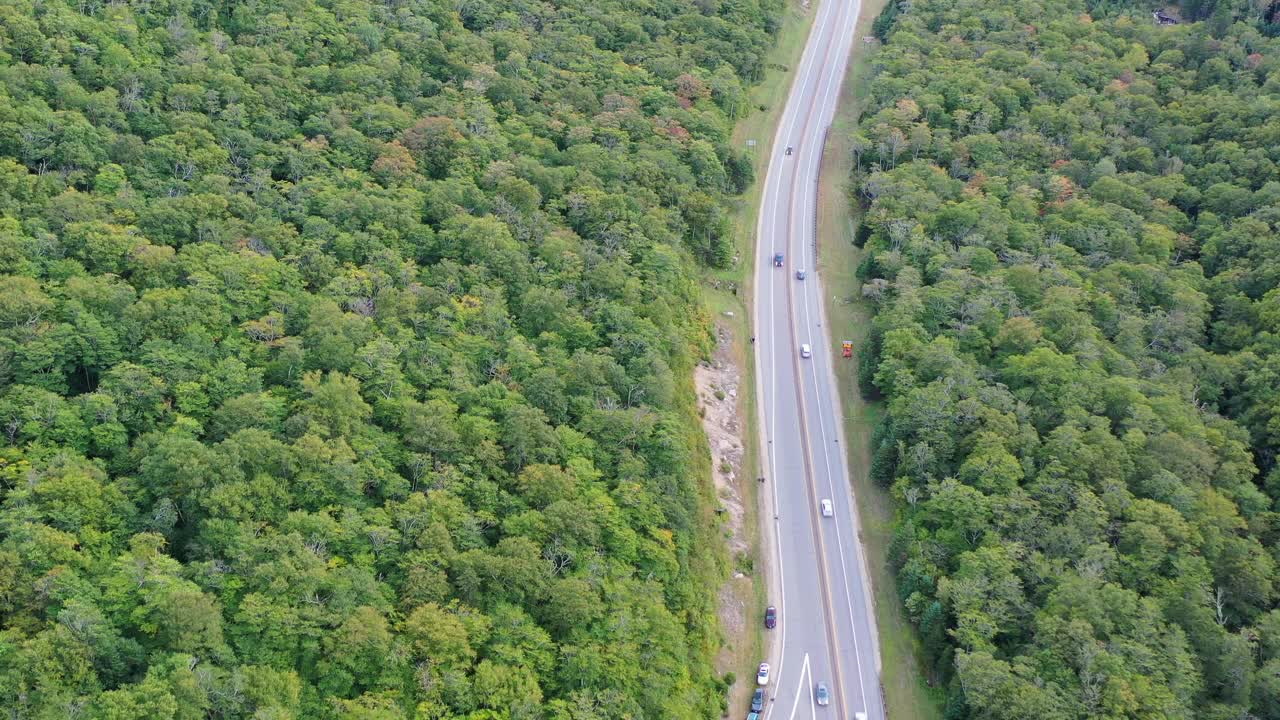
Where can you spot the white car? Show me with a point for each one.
(762, 675)
(821, 695)
(826, 507)
(805, 350)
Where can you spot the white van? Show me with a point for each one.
(805, 350)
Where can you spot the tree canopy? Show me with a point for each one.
(1070, 228)
(346, 351)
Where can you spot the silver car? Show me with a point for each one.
(821, 695)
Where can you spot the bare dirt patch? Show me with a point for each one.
(718, 383)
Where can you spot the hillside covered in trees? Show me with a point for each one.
(1071, 225)
(345, 355)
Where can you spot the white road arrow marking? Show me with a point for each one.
(805, 681)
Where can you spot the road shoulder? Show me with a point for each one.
(904, 686)
(728, 295)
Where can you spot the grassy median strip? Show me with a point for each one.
(907, 692)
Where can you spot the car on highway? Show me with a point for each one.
(777, 259)
(756, 716)
(762, 675)
(805, 350)
(800, 274)
(826, 507)
(757, 700)
(821, 695)
(771, 617)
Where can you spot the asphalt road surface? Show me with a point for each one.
(826, 627)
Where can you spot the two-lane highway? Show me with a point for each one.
(826, 627)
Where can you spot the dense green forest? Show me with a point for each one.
(346, 350)
(1071, 226)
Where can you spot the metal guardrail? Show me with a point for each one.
(817, 186)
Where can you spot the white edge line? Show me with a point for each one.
(831, 84)
(771, 178)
